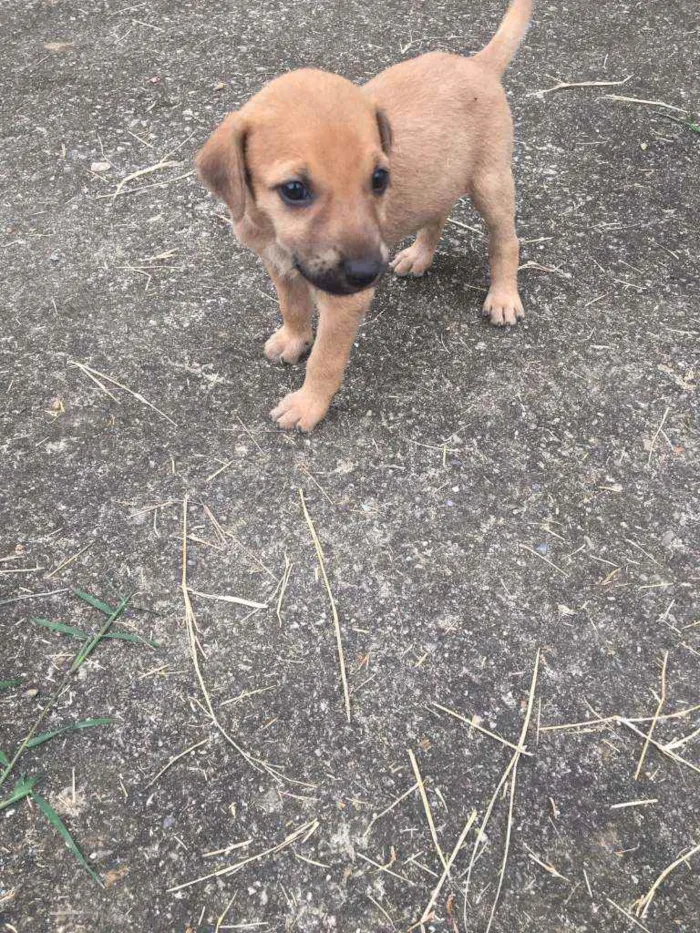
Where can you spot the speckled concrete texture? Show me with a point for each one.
(479, 495)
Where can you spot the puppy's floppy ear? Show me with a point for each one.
(221, 163)
(384, 130)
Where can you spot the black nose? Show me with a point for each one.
(362, 272)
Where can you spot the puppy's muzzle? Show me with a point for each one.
(348, 276)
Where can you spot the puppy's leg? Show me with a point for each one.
(417, 258)
(493, 194)
(339, 319)
(294, 337)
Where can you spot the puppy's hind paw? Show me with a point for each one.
(285, 346)
(413, 261)
(503, 308)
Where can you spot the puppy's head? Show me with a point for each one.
(310, 154)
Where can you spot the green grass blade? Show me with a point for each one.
(59, 825)
(128, 636)
(61, 627)
(83, 724)
(9, 684)
(95, 602)
(4, 760)
(23, 788)
(81, 633)
(86, 650)
(90, 646)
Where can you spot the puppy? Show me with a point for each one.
(322, 178)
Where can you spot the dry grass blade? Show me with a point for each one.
(221, 469)
(545, 559)
(16, 599)
(283, 588)
(643, 904)
(463, 226)
(391, 806)
(487, 815)
(190, 623)
(173, 760)
(428, 811)
(7, 898)
(475, 725)
(334, 611)
(634, 803)
(157, 167)
(381, 910)
(229, 599)
(93, 373)
(550, 869)
(453, 855)
(514, 772)
(481, 833)
(97, 382)
(604, 720)
(69, 560)
(628, 915)
(228, 849)
(656, 436)
(646, 103)
(568, 85)
(682, 740)
(310, 861)
(224, 913)
(245, 695)
(662, 700)
(155, 184)
(552, 270)
(630, 724)
(310, 475)
(385, 868)
(302, 831)
(662, 748)
(223, 535)
(506, 847)
(16, 570)
(154, 508)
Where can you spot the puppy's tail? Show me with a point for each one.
(501, 49)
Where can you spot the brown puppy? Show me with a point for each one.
(322, 177)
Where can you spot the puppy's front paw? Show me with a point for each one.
(286, 346)
(301, 410)
(412, 261)
(503, 307)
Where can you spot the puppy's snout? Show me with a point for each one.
(361, 273)
(345, 275)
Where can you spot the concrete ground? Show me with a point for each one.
(479, 496)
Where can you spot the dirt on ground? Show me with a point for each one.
(508, 520)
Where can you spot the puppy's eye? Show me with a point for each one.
(380, 180)
(294, 192)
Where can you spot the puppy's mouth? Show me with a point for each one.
(348, 278)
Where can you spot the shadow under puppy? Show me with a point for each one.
(323, 177)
